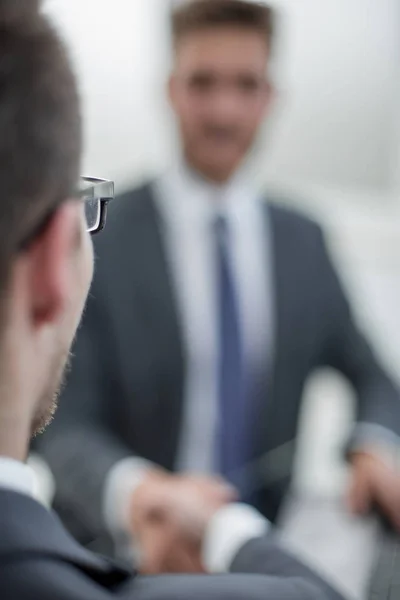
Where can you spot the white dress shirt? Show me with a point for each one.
(189, 207)
(17, 476)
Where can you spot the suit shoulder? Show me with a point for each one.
(297, 232)
(293, 219)
(132, 203)
(127, 214)
(47, 578)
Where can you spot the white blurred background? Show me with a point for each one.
(333, 142)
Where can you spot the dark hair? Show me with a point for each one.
(197, 15)
(40, 125)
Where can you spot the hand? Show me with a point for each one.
(374, 483)
(169, 517)
(165, 550)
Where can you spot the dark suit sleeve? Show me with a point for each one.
(79, 446)
(346, 349)
(268, 580)
(39, 560)
(265, 555)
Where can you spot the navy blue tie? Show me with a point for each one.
(231, 430)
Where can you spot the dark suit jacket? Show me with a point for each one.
(125, 391)
(40, 561)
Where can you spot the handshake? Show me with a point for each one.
(169, 515)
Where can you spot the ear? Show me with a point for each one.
(171, 89)
(50, 264)
(268, 97)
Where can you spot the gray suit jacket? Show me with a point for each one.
(39, 560)
(125, 392)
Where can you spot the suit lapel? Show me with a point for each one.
(157, 288)
(274, 411)
(284, 297)
(158, 306)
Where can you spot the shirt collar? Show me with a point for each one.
(16, 476)
(186, 196)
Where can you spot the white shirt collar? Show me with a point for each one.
(187, 197)
(17, 476)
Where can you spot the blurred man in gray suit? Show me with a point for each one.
(210, 309)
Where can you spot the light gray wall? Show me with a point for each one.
(338, 70)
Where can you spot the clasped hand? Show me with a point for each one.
(170, 514)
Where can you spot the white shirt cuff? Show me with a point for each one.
(228, 530)
(121, 483)
(17, 476)
(378, 440)
(45, 485)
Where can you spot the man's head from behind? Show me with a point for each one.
(45, 253)
(219, 87)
